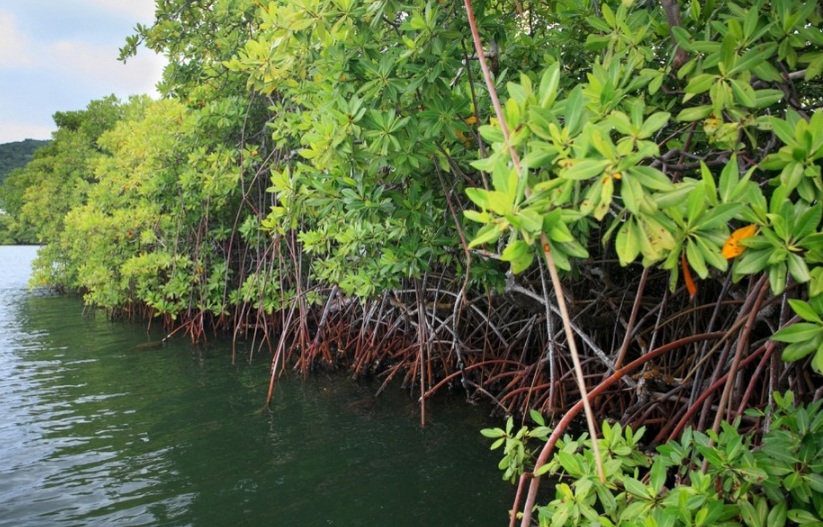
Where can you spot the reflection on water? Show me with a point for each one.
(98, 430)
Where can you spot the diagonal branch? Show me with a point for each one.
(547, 254)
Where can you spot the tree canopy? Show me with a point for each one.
(394, 185)
(335, 179)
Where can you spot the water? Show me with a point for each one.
(97, 430)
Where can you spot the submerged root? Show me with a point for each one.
(655, 359)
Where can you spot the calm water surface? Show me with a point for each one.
(97, 430)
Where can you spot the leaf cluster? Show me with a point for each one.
(703, 479)
(659, 161)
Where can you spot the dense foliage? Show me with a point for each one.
(715, 478)
(335, 179)
(39, 196)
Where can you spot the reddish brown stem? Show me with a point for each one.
(567, 418)
(705, 395)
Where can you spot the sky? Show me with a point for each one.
(59, 55)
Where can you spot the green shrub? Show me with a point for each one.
(712, 478)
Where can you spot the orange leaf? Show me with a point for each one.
(732, 247)
(691, 287)
(462, 137)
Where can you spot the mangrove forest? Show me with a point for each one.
(600, 218)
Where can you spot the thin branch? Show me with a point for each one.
(547, 254)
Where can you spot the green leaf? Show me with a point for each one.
(748, 513)
(655, 122)
(574, 110)
(682, 37)
(632, 194)
(777, 516)
(708, 184)
(559, 232)
(523, 262)
(712, 254)
(777, 278)
(815, 482)
(487, 234)
(817, 360)
(499, 202)
(537, 417)
(815, 64)
(636, 488)
(743, 93)
(729, 178)
(651, 178)
(782, 128)
(570, 464)
(658, 474)
(514, 250)
(765, 98)
(694, 114)
(479, 217)
(627, 242)
(479, 196)
(798, 350)
(804, 310)
(728, 55)
(548, 85)
(803, 517)
(717, 216)
(700, 84)
(493, 433)
(585, 169)
(696, 204)
(754, 56)
(816, 282)
(697, 260)
(798, 268)
(492, 134)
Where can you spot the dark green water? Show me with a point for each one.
(95, 431)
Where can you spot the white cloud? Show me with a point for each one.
(14, 46)
(81, 60)
(98, 65)
(139, 10)
(44, 69)
(11, 132)
(142, 73)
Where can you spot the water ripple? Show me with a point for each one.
(98, 430)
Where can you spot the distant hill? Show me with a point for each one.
(17, 154)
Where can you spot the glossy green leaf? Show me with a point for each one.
(798, 268)
(627, 242)
(487, 234)
(694, 114)
(804, 310)
(799, 332)
(654, 123)
(700, 84)
(697, 260)
(585, 169)
(777, 274)
(479, 197)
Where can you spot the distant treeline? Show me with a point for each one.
(13, 156)
(17, 154)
